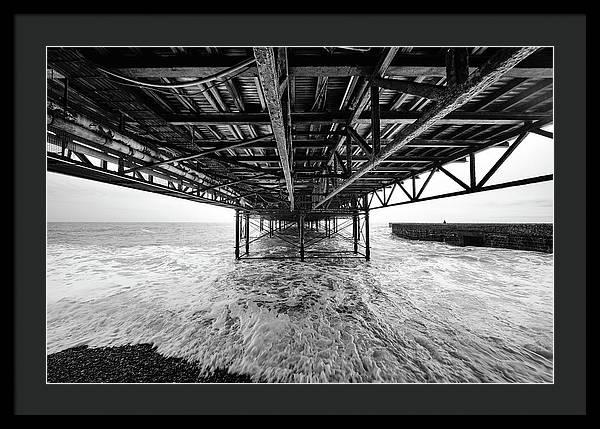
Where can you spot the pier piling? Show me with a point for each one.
(301, 233)
(237, 234)
(247, 228)
(367, 244)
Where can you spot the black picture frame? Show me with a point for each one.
(567, 33)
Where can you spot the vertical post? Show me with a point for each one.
(247, 214)
(348, 155)
(355, 232)
(472, 170)
(64, 144)
(301, 237)
(457, 66)
(261, 224)
(270, 227)
(375, 126)
(237, 234)
(414, 188)
(367, 242)
(66, 95)
(335, 169)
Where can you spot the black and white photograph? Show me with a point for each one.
(300, 214)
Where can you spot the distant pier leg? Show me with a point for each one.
(237, 234)
(301, 233)
(247, 232)
(355, 232)
(367, 243)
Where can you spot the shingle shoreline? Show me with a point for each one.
(139, 363)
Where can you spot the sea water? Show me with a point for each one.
(417, 312)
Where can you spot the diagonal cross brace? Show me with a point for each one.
(455, 97)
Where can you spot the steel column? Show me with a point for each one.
(247, 232)
(375, 119)
(301, 232)
(355, 232)
(237, 234)
(367, 243)
(473, 179)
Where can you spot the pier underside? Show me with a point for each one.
(301, 142)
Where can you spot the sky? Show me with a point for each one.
(71, 199)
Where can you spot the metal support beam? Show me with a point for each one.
(404, 64)
(453, 177)
(355, 231)
(425, 90)
(503, 158)
(247, 229)
(375, 119)
(543, 133)
(66, 95)
(237, 234)
(338, 160)
(457, 66)
(341, 117)
(360, 101)
(521, 182)
(362, 143)
(458, 95)
(203, 153)
(270, 78)
(367, 241)
(348, 157)
(473, 181)
(425, 183)
(301, 233)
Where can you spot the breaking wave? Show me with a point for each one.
(418, 312)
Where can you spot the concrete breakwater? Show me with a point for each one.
(519, 236)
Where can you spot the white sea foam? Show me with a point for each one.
(418, 312)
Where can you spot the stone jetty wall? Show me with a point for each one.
(520, 236)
